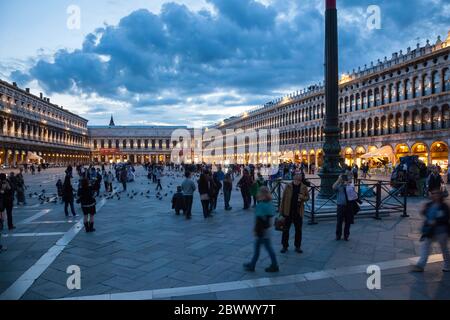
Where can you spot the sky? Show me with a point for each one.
(194, 62)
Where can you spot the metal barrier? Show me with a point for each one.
(378, 197)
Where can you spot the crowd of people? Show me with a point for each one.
(255, 184)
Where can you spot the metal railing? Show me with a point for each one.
(377, 196)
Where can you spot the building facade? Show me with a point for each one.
(137, 144)
(33, 127)
(399, 104)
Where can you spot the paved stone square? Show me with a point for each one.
(142, 250)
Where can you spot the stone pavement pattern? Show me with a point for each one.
(141, 245)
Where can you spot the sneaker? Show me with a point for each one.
(338, 238)
(298, 250)
(417, 268)
(249, 267)
(272, 269)
(284, 250)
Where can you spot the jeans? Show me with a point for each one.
(188, 205)
(159, 186)
(246, 197)
(9, 209)
(442, 239)
(297, 220)
(124, 184)
(66, 204)
(343, 215)
(205, 206)
(267, 244)
(227, 197)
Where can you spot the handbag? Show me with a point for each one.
(353, 204)
(279, 223)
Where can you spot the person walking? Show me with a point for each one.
(245, 184)
(216, 185)
(344, 210)
(123, 178)
(87, 201)
(67, 196)
(254, 190)
(6, 200)
(264, 213)
(355, 173)
(292, 208)
(227, 188)
(9, 199)
(435, 228)
(434, 180)
(158, 180)
(20, 188)
(188, 188)
(204, 189)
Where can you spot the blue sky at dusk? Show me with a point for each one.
(193, 62)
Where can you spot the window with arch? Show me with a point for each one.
(392, 95)
(352, 103)
(426, 85)
(347, 105)
(417, 87)
(408, 89)
(364, 101)
(385, 95)
(436, 85)
(358, 101)
(400, 91)
(446, 77)
(377, 97)
(370, 99)
(124, 144)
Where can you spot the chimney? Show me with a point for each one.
(27, 90)
(15, 84)
(40, 95)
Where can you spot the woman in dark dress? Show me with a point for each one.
(204, 188)
(67, 196)
(87, 201)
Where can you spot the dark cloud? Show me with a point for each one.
(157, 61)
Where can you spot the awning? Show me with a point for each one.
(288, 156)
(383, 152)
(33, 156)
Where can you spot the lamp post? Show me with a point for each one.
(331, 165)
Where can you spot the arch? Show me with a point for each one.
(435, 82)
(426, 119)
(348, 156)
(376, 126)
(392, 128)
(426, 88)
(420, 149)
(359, 151)
(352, 129)
(401, 150)
(445, 117)
(363, 128)
(439, 154)
(435, 118)
(346, 130)
(408, 89)
(399, 128)
(383, 126)
(369, 127)
(446, 79)
(319, 158)
(357, 129)
(416, 121)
